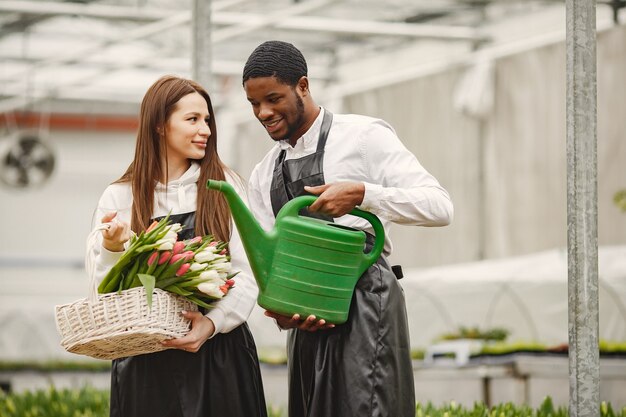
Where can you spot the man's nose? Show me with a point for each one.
(265, 112)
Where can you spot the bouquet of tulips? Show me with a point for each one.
(197, 269)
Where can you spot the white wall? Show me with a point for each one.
(51, 223)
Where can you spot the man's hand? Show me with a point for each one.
(309, 325)
(202, 328)
(338, 198)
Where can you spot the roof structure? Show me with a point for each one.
(110, 51)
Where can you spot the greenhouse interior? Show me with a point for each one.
(477, 90)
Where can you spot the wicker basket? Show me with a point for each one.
(116, 325)
(121, 325)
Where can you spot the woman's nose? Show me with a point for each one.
(204, 130)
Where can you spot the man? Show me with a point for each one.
(362, 367)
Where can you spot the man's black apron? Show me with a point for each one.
(361, 368)
(222, 379)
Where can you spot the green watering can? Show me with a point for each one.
(304, 265)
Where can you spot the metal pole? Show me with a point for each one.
(582, 209)
(201, 40)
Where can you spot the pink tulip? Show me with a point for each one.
(176, 258)
(178, 247)
(195, 240)
(213, 243)
(153, 258)
(223, 252)
(188, 255)
(230, 282)
(165, 256)
(182, 270)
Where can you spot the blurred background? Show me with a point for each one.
(474, 88)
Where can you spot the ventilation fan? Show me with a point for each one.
(26, 161)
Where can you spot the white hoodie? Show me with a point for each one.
(180, 197)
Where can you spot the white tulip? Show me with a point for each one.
(204, 256)
(166, 245)
(175, 228)
(211, 289)
(197, 266)
(223, 266)
(211, 275)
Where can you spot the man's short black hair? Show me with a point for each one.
(276, 59)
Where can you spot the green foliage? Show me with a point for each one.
(86, 402)
(273, 411)
(494, 334)
(546, 409)
(93, 365)
(607, 346)
(620, 200)
(506, 348)
(418, 354)
(90, 402)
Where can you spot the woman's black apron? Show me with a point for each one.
(222, 379)
(360, 368)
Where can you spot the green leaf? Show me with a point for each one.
(148, 282)
(177, 290)
(199, 302)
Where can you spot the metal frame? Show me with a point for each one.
(225, 26)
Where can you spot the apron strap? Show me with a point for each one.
(326, 123)
(283, 188)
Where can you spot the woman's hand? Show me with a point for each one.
(118, 233)
(202, 328)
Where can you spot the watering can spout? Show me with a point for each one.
(258, 244)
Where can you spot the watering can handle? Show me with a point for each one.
(293, 207)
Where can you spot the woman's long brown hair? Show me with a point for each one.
(147, 168)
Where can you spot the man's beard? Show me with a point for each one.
(293, 127)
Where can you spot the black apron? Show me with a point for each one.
(362, 367)
(222, 379)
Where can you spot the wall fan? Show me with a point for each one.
(26, 160)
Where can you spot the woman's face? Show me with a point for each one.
(187, 132)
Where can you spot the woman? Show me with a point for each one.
(214, 370)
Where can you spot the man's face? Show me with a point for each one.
(279, 107)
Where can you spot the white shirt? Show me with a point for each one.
(230, 311)
(362, 149)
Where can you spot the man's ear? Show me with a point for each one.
(303, 85)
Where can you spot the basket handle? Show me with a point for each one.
(90, 262)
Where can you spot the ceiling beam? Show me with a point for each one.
(360, 27)
(253, 22)
(246, 22)
(144, 31)
(101, 11)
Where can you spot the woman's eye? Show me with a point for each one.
(207, 120)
